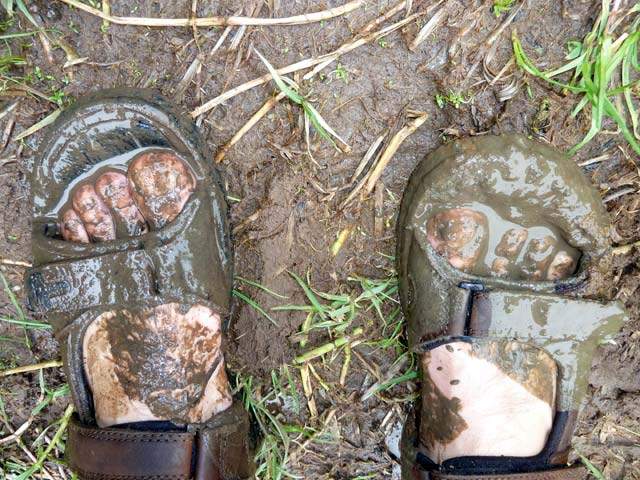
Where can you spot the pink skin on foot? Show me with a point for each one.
(72, 227)
(113, 188)
(163, 363)
(94, 214)
(478, 401)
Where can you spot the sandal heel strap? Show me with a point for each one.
(565, 473)
(221, 450)
(114, 454)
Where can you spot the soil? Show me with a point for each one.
(287, 217)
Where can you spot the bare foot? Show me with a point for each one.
(165, 362)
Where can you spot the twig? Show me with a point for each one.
(388, 376)
(373, 150)
(342, 237)
(398, 7)
(624, 249)
(218, 21)
(303, 446)
(31, 368)
(428, 28)
(54, 441)
(221, 40)
(17, 434)
(394, 144)
(301, 65)
(255, 118)
(308, 390)
(48, 120)
(328, 347)
(14, 263)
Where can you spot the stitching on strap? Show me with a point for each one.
(129, 436)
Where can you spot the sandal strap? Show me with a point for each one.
(219, 451)
(570, 473)
(570, 329)
(184, 268)
(73, 286)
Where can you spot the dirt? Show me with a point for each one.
(288, 218)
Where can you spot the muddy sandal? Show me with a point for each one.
(495, 235)
(111, 291)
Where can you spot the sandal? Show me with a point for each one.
(177, 267)
(495, 237)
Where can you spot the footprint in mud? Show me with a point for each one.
(478, 240)
(159, 363)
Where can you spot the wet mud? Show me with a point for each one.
(283, 214)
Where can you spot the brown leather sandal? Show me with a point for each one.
(188, 262)
(523, 182)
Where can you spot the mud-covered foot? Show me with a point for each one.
(478, 240)
(164, 362)
(495, 235)
(517, 380)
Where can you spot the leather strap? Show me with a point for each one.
(572, 473)
(219, 451)
(570, 329)
(76, 285)
(110, 453)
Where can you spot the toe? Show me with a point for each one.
(562, 266)
(113, 188)
(72, 228)
(161, 184)
(459, 235)
(94, 214)
(511, 243)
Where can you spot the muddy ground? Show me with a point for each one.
(287, 217)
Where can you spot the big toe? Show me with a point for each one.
(161, 184)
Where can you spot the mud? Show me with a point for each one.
(137, 364)
(440, 422)
(283, 221)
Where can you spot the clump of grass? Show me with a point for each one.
(11, 6)
(455, 99)
(335, 312)
(43, 454)
(246, 298)
(502, 6)
(291, 90)
(600, 68)
(19, 318)
(275, 447)
(341, 73)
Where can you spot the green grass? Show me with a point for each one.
(291, 90)
(246, 298)
(44, 452)
(502, 6)
(600, 71)
(278, 438)
(592, 468)
(335, 313)
(19, 317)
(455, 99)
